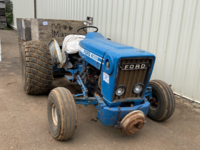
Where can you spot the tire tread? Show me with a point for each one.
(39, 70)
(68, 113)
(168, 100)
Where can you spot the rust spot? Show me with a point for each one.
(96, 94)
(55, 53)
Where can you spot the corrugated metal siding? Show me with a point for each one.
(22, 9)
(167, 28)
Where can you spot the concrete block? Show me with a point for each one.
(46, 29)
(24, 29)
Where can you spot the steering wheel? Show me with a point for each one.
(83, 28)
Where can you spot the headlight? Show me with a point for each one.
(120, 90)
(138, 88)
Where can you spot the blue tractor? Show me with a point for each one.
(114, 77)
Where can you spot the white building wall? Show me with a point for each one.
(22, 9)
(168, 28)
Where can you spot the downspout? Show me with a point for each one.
(35, 9)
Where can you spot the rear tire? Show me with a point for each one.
(165, 105)
(37, 67)
(62, 115)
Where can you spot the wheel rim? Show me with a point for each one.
(154, 105)
(54, 114)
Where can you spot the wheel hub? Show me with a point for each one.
(153, 103)
(133, 122)
(54, 115)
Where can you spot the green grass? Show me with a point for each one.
(7, 28)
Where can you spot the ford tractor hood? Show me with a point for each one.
(98, 45)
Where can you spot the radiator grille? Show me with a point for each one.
(131, 77)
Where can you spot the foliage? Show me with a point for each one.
(9, 14)
(7, 28)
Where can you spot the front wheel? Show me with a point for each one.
(162, 105)
(62, 115)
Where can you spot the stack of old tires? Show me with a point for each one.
(3, 22)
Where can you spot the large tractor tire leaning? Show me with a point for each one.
(37, 67)
(62, 115)
(163, 105)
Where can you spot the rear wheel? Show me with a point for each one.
(37, 67)
(162, 105)
(62, 115)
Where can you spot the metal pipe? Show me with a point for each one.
(35, 9)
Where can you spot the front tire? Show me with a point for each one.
(163, 104)
(62, 115)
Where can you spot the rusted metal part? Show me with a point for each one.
(133, 122)
(153, 103)
(91, 78)
(99, 82)
(118, 126)
(152, 100)
(96, 94)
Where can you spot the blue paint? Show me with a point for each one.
(109, 115)
(97, 44)
(84, 89)
(91, 58)
(73, 72)
(86, 101)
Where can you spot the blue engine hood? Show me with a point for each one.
(97, 44)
